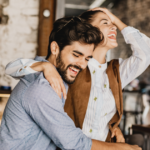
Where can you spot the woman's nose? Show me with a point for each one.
(113, 27)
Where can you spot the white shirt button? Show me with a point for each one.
(105, 114)
(95, 98)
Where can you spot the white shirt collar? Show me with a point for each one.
(94, 63)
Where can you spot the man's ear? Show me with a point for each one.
(54, 48)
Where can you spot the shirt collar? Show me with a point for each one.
(94, 63)
(40, 59)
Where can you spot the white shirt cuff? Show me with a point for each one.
(26, 69)
(128, 30)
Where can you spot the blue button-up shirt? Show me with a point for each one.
(34, 119)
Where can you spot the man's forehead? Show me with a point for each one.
(85, 50)
(81, 45)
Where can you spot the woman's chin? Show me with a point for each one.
(114, 45)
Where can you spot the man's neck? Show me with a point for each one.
(52, 60)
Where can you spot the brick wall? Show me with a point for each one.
(18, 38)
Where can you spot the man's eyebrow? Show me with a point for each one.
(77, 52)
(90, 56)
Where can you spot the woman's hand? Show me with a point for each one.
(106, 11)
(115, 20)
(52, 76)
(118, 134)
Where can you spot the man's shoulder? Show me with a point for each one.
(39, 93)
(39, 85)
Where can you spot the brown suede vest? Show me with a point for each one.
(79, 92)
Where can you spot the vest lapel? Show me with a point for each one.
(113, 82)
(115, 85)
(78, 97)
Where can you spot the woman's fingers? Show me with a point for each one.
(118, 134)
(113, 134)
(98, 8)
(58, 85)
(63, 89)
(107, 12)
(56, 89)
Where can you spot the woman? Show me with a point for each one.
(103, 108)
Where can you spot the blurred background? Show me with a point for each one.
(25, 26)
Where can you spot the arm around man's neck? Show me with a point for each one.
(99, 145)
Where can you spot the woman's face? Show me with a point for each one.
(103, 22)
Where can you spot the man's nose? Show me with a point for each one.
(82, 63)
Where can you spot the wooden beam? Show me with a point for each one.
(45, 24)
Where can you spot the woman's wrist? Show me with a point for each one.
(46, 65)
(120, 25)
(39, 66)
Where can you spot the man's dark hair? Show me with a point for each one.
(72, 29)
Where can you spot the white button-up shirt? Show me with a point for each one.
(101, 106)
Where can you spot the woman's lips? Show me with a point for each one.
(112, 35)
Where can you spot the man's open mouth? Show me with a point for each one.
(73, 71)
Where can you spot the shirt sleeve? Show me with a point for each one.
(133, 66)
(19, 68)
(46, 109)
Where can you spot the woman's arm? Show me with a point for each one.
(136, 64)
(22, 67)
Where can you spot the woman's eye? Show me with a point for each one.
(105, 23)
(75, 55)
(87, 59)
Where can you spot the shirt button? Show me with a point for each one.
(20, 70)
(90, 130)
(93, 71)
(95, 98)
(99, 66)
(25, 67)
(105, 85)
(105, 114)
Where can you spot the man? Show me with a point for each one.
(34, 117)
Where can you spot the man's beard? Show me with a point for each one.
(63, 71)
